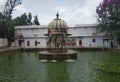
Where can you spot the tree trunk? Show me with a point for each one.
(118, 39)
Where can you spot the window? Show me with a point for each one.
(28, 43)
(94, 40)
(64, 42)
(73, 42)
(80, 42)
(20, 43)
(68, 42)
(36, 43)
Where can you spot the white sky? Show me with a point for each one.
(72, 11)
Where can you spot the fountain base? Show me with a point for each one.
(70, 54)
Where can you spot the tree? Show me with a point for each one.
(29, 19)
(109, 17)
(1, 26)
(36, 22)
(25, 19)
(7, 10)
(19, 21)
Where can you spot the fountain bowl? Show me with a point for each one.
(70, 54)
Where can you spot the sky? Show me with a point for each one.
(72, 11)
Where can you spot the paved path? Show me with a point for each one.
(8, 48)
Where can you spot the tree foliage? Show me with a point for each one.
(19, 21)
(25, 19)
(36, 22)
(7, 24)
(29, 19)
(109, 15)
(6, 16)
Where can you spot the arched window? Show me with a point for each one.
(64, 42)
(94, 40)
(80, 42)
(68, 42)
(20, 43)
(73, 42)
(28, 43)
(36, 43)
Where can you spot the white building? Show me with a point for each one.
(30, 36)
(84, 36)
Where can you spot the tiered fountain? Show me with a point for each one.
(56, 43)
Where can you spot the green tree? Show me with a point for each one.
(19, 21)
(109, 17)
(24, 19)
(6, 17)
(36, 21)
(29, 19)
(1, 26)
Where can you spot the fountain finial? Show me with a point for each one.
(57, 15)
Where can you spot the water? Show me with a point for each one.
(26, 67)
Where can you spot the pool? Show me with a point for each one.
(91, 66)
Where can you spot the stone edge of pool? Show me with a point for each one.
(40, 49)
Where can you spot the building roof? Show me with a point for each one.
(53, 25)
(31, 26)
(85, 25)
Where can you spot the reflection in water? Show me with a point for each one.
(21, 67)
(54, 61)
(26, 67)
(102, 76)
(69, 60)
(57, 72)
(44, 60)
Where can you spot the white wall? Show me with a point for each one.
(3, 42)
(32, 34)
(88, 42)
(82, 31)
(86, 34)
(38, 32)
(41, 43)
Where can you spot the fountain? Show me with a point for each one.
(56, 42)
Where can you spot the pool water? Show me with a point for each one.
(26, 67)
